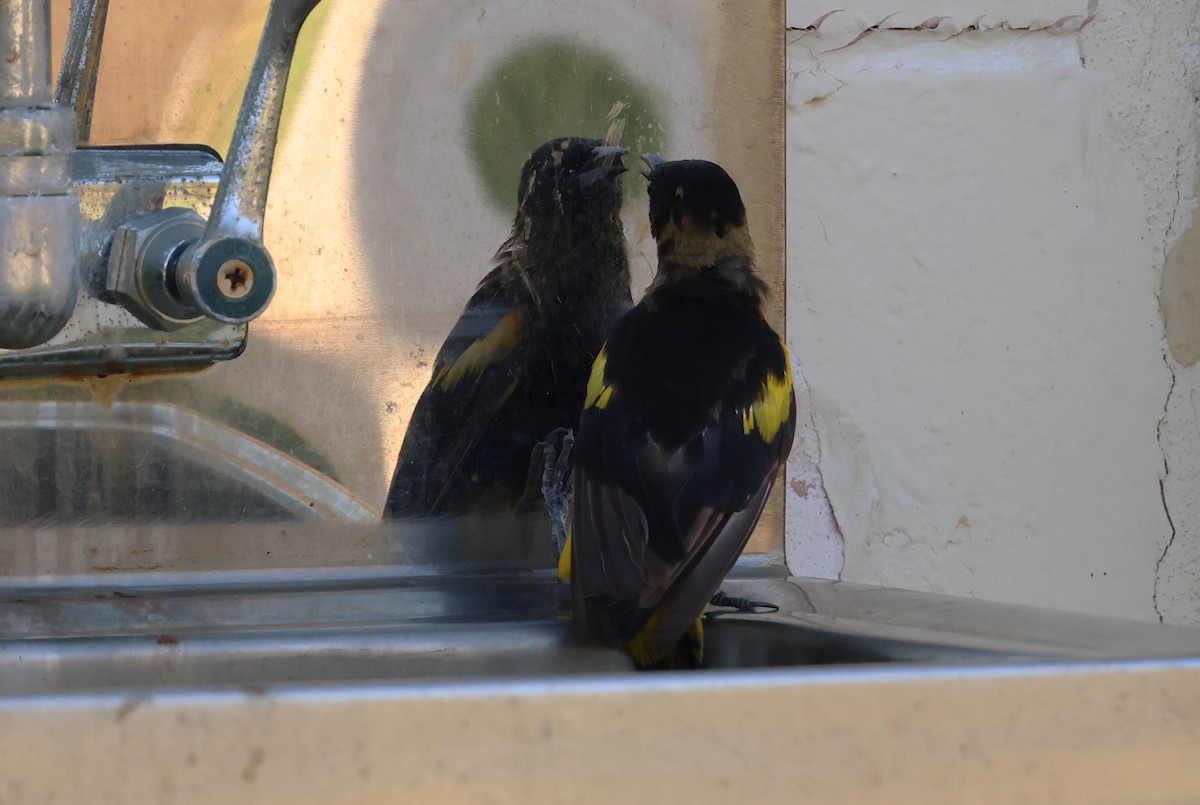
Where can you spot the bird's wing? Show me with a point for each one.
(475, 372)
(656, 531)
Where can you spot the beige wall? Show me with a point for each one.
(977, 228)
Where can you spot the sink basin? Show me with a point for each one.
(252, 608)
(429, 663)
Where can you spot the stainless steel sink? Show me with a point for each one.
(434, 662)
(256, 607)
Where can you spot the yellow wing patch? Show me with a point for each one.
(773, 406)
(598, 394)
(492, 348)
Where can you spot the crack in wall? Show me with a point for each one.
(1167, 361)
(1162, 491)
(1071, 23)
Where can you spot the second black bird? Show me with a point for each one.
(516, 364)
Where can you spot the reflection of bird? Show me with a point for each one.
(688, 415)
(516, 364)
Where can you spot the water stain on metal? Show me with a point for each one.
(128, 706)
(250, 772)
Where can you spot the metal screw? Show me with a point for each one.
(235, 279)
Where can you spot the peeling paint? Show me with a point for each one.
(813, 544)
(1179, 297)
(1011, 14)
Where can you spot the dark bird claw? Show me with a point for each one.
(738, 604)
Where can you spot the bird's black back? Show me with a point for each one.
(684, 364)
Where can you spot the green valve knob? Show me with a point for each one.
(230, 279)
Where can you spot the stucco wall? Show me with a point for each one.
(981, 199)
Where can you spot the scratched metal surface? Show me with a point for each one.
(387, 199)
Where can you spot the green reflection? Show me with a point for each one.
(552, 88)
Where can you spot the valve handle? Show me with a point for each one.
(227, 273)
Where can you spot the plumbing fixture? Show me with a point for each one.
(81, 63)
(39, 215)
(227, 274)
(201, 280)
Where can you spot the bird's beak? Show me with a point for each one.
(652, 161)
(609, 156)
(605, 163)
(609, 150)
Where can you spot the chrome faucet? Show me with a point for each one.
(39, 213)
(170, 267)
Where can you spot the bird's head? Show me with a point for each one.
(696, 213)
(571, 175)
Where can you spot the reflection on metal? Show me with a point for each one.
(25, 69)
(551, 87)
(225, 656)
(39, 216)
(232, 242)
(67, 462)
(225, 273)
(81, 63)
(295, 604)
(116, 186)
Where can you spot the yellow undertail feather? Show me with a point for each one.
(768, 413)
(687, 652)
(491, 349)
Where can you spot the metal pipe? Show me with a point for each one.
(81, 63)
(241, 202)
(24, 52)
(228, 273)
(39, 215)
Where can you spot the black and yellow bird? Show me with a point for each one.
(515, 366)
(688, 415)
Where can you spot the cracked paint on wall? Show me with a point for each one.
(974, 253)
(1150, 53)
